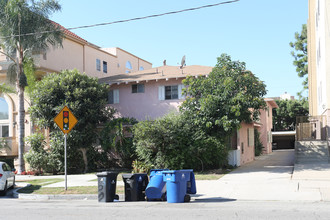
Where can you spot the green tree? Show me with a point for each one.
(228, 96)
(300, 54)
(26, 29)
(87, 100)
(284, 117)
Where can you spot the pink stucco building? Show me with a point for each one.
(152, 93)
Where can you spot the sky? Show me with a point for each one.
(257, 32)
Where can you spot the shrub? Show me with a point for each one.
(37, 155)
(257, 143)
(117, 142)
(171, 142)
(41, 159)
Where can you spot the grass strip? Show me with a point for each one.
(61, 191)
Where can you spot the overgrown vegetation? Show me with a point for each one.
(116, 143)
(171, 142)
(258, 147)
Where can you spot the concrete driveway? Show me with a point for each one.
(269, 177)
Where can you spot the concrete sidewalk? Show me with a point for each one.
(272, 177)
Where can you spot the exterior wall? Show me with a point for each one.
(82, 56)
(91, 54)
(312, 88)
(319, 57)
(69, 57)
(145, 105)
(247, 152)
(124, 56)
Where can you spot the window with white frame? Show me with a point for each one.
(170, 92)
(138, 88)
(98, 64)
(4, 118)
(113, 96)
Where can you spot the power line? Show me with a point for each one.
(132, 19)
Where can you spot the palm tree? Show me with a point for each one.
(25, 30)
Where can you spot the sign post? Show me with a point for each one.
(65, 120)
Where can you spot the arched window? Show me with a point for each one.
(4, 118)
(128, 67)
(141, 68)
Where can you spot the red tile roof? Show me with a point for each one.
(69, 33)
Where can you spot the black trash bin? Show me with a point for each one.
(107, 186)
(135, 186)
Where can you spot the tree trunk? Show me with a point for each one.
(21, 113)
(84, 153)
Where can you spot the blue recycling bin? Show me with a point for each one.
(178, 184)
(156, 189)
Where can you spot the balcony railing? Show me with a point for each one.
(311, 128)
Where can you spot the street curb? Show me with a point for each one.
(54, 197)
(18, 195)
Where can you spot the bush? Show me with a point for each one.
(257, 143)
(37, 155)
(41, 159)
(117, 143)
(171, 142)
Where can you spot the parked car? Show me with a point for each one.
(7, 178)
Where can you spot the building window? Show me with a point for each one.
(113, 96)
(44, 56)
(141, 68)
(128, 67)
(242, 147)
(4, 118)
(98, 64)
(105, 67)
(4, 130)
(4, 109)
(138, 88)
(170, 92)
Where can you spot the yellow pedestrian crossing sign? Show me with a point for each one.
(65, 120)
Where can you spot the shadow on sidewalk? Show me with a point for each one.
(214, 199)
(211, 199)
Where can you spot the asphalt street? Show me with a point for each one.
(13, 209)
